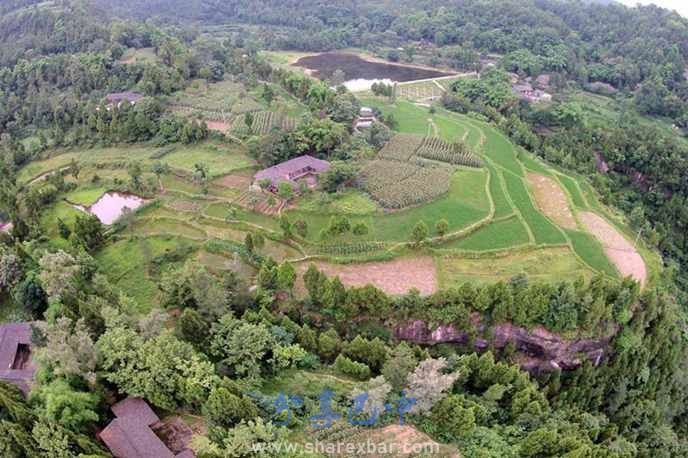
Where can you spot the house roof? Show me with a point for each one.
(285, 170)
(121, 96)
(136, 407)
(524, 87)
(544, 79)
(11, 336)
(130, 434)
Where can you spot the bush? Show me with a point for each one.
(348, 367)
(360, 229)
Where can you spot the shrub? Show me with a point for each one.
(360, 229)
(348, 367)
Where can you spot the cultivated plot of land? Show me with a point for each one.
(412, 169)
(618, 249)
(551, 200)
(401, 441)
(546, 264)
(398, 276)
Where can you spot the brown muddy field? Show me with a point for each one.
(354, 67)
(393, 277)
(551, 200)
(394, 441)
(619, 250)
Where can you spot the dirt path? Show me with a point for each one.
(551, 200)
(616, 247)
(393, 277)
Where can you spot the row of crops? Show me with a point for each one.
(350, 249)
(424, 90)
(457, 153)
(263, 122)
(401, 147)
(397, 184)
(409, 148)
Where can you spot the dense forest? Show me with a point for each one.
(60, 59)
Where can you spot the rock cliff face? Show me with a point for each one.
(539, 349)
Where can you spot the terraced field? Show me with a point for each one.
(535, 208)
(496, 199)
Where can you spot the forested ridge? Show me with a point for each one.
(242, 343)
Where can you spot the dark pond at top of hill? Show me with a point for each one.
(355, 68)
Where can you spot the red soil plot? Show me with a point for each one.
(621, 252)
(393, 277)
(220, 126)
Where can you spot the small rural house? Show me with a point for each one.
(136, 431)
(16, 365)
(294, 171)
(527, 92)
(118, 98)
(365, 119)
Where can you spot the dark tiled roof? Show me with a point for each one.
(135, 407)
(130, 434)
(13, 335)
(121, 96)
(286, 170)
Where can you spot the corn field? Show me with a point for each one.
(401, 147)
(263, 123)
(398, 184)
(456, 153)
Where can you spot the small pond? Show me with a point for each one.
(360, 73)
(111, 206)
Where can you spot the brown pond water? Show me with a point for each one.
(111, 206)
(359, 72)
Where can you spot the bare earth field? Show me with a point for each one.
(616, 247)
(551, 200)
(403, 441)
(241, 182)
(393, 277)
(220, 126)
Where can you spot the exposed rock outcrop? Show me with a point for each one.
(540, 350)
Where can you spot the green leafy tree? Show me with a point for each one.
(442, 227)
(62, 404)
(400, 364)
(88, 232)
(419, 233)
(192, 328)
(329, 344)
(286, 276)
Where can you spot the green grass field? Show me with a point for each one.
(495, 236)
(465, 204)
(220, 160)
(548, 264)
(501, 201)
(591, 252)
(545, 231)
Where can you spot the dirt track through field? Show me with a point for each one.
(393, 277)
(551, 200)
(616, 247)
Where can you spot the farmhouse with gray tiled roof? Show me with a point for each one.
(302, 168)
